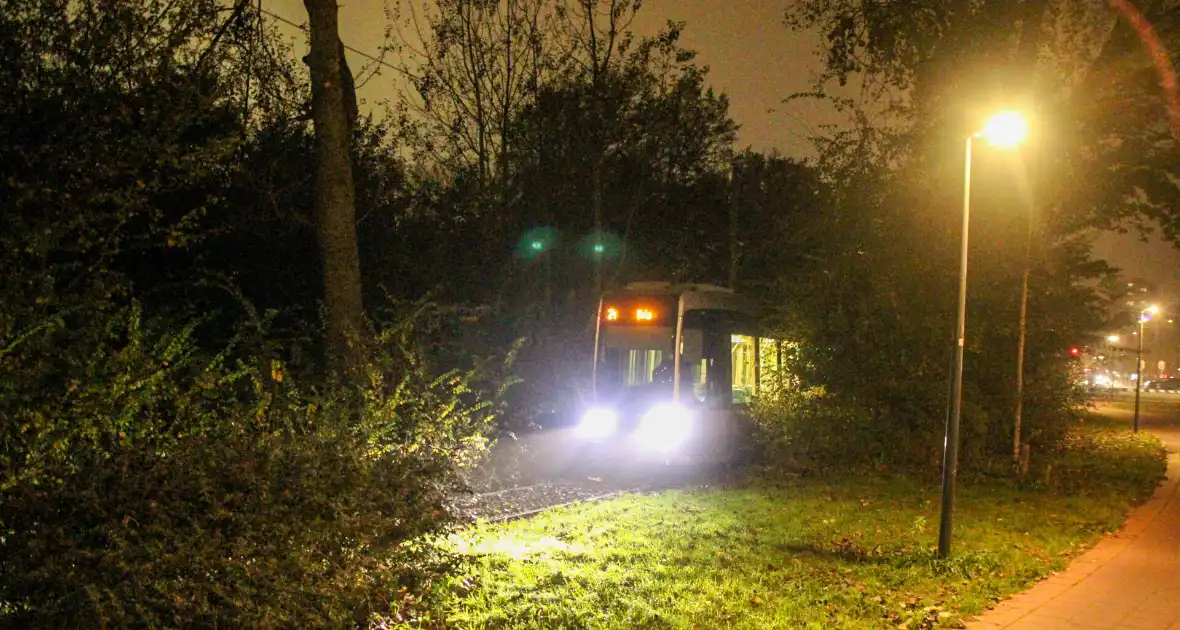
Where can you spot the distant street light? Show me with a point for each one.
(1143, 317)
(1004, 130)
(1112, 338)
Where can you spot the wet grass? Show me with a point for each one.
(853, 551)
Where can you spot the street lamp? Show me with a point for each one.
(1004, 130)
(1144, 315)
(1111, 340)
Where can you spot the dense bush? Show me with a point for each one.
(837, 412)
(241, 529)
(1096, 454)
(810, 428)
(1073, 453)
(149, 485)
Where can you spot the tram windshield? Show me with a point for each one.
(721, 361)
(633, 359)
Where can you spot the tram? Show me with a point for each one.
(675, 367)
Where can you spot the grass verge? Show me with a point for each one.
(854, 551)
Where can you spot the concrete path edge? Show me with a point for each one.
(1044, 604)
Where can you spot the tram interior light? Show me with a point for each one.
(598, 424)
(665, 427)
(644, 315)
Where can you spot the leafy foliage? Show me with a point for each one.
(144, 478)
(871, 300)
(111, 159)
(265, 531)
(244, 496)
(1096, 453)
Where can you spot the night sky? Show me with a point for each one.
(755, 60)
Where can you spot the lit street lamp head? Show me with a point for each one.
(1112, 338)
(1005, 130)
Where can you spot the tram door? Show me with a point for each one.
(706, 352)
(737, 365)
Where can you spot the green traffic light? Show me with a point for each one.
(598, 248)
(537, 246)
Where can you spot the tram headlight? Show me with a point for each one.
(664, 427)
(598, 424)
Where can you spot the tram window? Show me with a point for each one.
(744, 375)
(638, 366)
(700, 376)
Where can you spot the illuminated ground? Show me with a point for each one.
(846, 551)
(555, 467)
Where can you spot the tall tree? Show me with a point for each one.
(473, 65)
(927, 71)
(664, 135)
(335, 192)
(603, 27)
(1091, 77)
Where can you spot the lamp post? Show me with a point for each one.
(1111, 361)
(1143, 317)
(1006, 130)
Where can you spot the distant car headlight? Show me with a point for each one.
(598, 424)
(664, 427)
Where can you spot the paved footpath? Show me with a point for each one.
(1130, 579)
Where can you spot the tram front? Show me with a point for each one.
(673, 367)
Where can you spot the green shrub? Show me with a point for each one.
(89, 383)
(808, 427)
(150, 485)
(239, 529)
(1097, 455)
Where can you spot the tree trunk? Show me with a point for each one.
(335, 195)
(1032, 21)
(1020, 349)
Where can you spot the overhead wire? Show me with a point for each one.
(346, 46)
